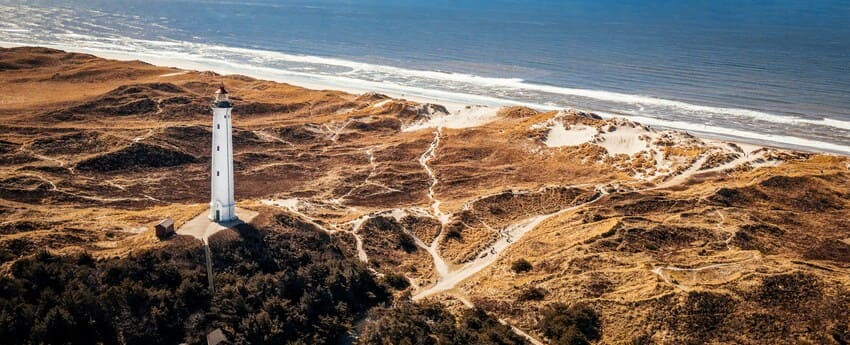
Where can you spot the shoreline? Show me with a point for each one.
(453, 101)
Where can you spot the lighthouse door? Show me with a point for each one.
(217, 215)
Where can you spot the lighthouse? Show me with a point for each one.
(222, 203)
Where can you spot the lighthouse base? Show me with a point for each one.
(222, 213)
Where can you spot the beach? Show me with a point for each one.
(786, 88)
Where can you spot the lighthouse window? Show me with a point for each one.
(216, 173)
(217, 148)
(218, 126)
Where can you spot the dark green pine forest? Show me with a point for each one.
(286, 283)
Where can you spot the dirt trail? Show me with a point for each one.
(430, 154)
(146, 135)
(489, 255)
(373, 171)
(694, 169)
(355, 228)
(336, 132)
(441, 267)
(450, 277)
(522, 333)
(685, 175)
(721, 270)
(439, 263)
(271, 138)
(292, 206)
(59, 162)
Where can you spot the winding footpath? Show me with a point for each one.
(490, 254)
(449, 277)
(434, 248)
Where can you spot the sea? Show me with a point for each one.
(767, 72)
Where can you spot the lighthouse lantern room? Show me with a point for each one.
(222, 203)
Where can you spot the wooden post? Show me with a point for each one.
(208, 255)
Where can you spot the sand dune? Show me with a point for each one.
(655, 229)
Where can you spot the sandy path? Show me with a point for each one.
(59, 162)
(685, 175)
(271, 138)
(430, 154)
(694, 169)
(336, 132)
(373, 171)
(728, 267)
(292, 206)
(434, 248)
(488, 256)
(358, 241)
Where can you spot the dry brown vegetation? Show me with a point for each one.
(93, 152)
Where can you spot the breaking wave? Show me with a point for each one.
(760, 127)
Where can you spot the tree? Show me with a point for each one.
(278, 285)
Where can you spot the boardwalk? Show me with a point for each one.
(201, 227)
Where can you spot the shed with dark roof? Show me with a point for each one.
(165, 228)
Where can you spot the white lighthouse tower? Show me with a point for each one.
(222, 203)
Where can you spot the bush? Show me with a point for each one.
(841, 333)
(570, 325)
(396, 281)
(521, 265)
(454, 233)
(430, 323)
(532, 294)
(703, 313)
(407, 243)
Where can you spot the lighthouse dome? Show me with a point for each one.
(221, 98)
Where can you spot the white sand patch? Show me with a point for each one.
(381, 103)
(577, 134)
(136, 230)
(620, 136)
(745, 149)
(626, 140)
(174, 74)
(287, 203)
(470, 116)
(397, 214)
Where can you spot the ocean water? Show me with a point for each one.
(766, 72)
